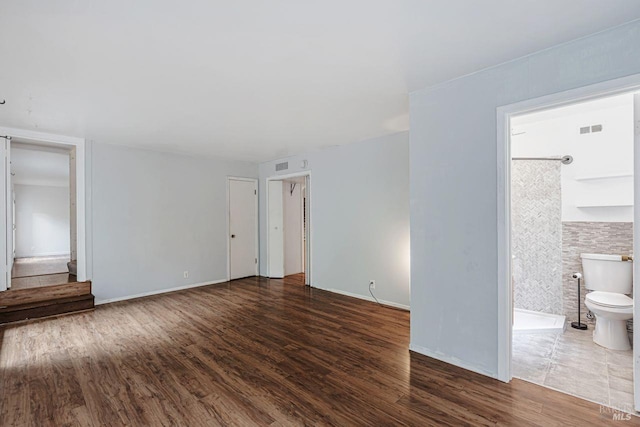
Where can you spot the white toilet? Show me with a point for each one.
(609, 278)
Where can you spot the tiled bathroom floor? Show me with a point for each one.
(573, 363)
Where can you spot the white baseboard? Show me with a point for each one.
(450, 360)
(157, 292)
(369, 298)
(42, 254)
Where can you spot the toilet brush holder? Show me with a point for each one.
(578, 325)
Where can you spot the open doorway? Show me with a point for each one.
(568, 184)
(42, 215)
(289, 231)
(572, 218)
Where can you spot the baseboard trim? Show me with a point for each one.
(450, 360)
(43, 255)
(368, 298)
(158, 292)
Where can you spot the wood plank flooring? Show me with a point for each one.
(14, 297)
(34, 303)
(253, 352)
(38, 266)
(295, 279)
(43, 281)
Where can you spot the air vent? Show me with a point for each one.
(282, 166)
(590, 129)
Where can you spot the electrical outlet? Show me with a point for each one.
(186, 274)
(372, 284)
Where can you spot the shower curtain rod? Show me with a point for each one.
(565, 160)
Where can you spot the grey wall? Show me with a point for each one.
(359, 216)
(454, 312)
(536, 235)
(614, 238)
(155, 215)
(42, 220)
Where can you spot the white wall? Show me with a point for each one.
(454, 310)
(292, 209)
(42, 220)
(359, 216)
(602, 171)
(154, 216)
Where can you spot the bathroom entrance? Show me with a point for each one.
(568, 243)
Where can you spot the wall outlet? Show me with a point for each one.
(372, 284)
(186, 274)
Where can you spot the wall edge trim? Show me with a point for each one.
(158, 292)
(450, 360)
(368, 298)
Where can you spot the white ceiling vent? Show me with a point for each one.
(282, 166)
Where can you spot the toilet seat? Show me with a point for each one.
(609, 299)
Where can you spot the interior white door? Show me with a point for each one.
(13, 220)
(9, 211)
(307, 231)
(276, 232)
(73, 211)
(9, 207)
(243, 231)
(636, 246)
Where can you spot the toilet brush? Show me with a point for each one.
(578, 324)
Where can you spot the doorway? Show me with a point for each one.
(243, 227)
(594, 195)
(571, 198)
(73, 149)
(289, 228)
(41, 214)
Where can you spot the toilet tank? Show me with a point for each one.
(607, 273)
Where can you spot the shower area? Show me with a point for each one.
(536, 218)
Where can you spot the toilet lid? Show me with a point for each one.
(610, 299)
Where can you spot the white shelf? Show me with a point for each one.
(604, 205)
(596, 177)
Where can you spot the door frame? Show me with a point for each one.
(66, 142)
(609, 88)
(228, 225)
(9, 213)
(309, 268)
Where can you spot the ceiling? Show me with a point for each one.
(33, 165)
(253, 79)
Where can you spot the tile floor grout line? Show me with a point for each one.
(579, 348)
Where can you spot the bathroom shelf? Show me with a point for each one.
(606, 205)
(599, 177)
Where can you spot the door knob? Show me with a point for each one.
(233, 236)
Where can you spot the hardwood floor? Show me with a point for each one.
(40, 272)
(295, 279)
(42, 281)
(33, 303)
(38, 266)
(253, 352)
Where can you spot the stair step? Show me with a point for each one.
(16, 297)
(35, 310)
